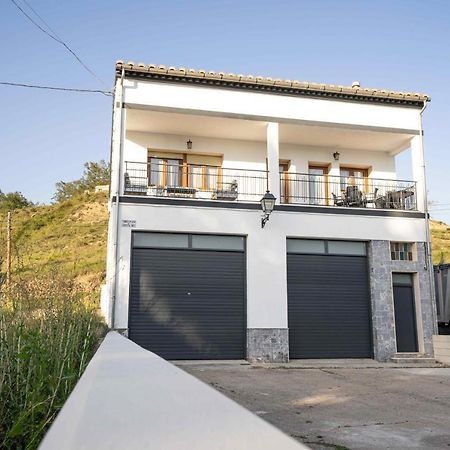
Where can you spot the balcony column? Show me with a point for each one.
(273, 160)
(418, 171)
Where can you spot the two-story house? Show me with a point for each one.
(342, 268)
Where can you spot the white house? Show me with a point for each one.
(341, 269)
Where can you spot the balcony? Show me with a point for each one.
(175, 179)
(353, 192)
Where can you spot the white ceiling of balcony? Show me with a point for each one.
(241, 129)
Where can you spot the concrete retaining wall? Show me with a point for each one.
(129, 398)
(442, 348)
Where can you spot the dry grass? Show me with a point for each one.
(69, 237)
(49, 320)
(48, 334)
(440, 238)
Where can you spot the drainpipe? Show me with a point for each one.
(428, 256)
(115, 235)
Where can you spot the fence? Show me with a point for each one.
(442, 285)
(177, 179)
(357, 192)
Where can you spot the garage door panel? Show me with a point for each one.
(328, 306)
(188, 304)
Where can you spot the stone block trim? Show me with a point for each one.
(381, 292)
(268, 345)
(381, 295)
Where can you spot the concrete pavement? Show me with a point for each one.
(357, 408)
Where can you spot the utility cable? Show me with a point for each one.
(56, 88)
(56, 38)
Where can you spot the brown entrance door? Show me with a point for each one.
(284, 181)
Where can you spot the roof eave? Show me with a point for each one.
(262, 84)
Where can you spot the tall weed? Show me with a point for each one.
(48, 333)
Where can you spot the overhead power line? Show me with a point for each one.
(55, 88)
(55, 37)
(42, 19)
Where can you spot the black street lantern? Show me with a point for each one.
(189, 144)
(267, 205)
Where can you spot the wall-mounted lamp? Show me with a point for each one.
(336, 156)
(189, 144)
(267, 205)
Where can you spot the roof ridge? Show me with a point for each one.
(272, 82)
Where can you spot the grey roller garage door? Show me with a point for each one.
(328, 300)
(187, 297)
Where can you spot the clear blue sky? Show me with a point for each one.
(47, 136)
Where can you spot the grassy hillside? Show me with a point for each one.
(440, 237)
(68, 237)
(71, 238)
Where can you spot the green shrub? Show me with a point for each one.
(48, 334)
(95, 173)
(13, 200)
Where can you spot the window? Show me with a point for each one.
(306, 246)
(160, 240)
(354, 177)
(213, 242)
(405, 279)
(165, 171)
(168, 169)
(402, 251)
(326, 247)
(318, 185)
(188, 241)
(347, 248)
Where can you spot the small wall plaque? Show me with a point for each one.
(127, 223)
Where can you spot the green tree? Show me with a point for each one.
(13, 200)
(95, 174)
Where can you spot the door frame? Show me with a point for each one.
(284, 176)
(326, 171)
(417, 308)
(244, 251)
(368, 271)
(352, 169)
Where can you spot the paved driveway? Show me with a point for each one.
(342, 408)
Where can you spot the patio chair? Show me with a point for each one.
(338, 200)
(355, 197)
(230, 193)
(135, 185)
(371, 197)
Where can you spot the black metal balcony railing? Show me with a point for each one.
(176, 179)
(356, 192)
(173, 178)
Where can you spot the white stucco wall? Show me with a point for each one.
(237, 154)
(267, 106)
(266, 248)
(242, 154)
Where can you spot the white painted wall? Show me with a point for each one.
(266, 248)
(237, 153)
(267, 106)
(381, 164)
(252, 154)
